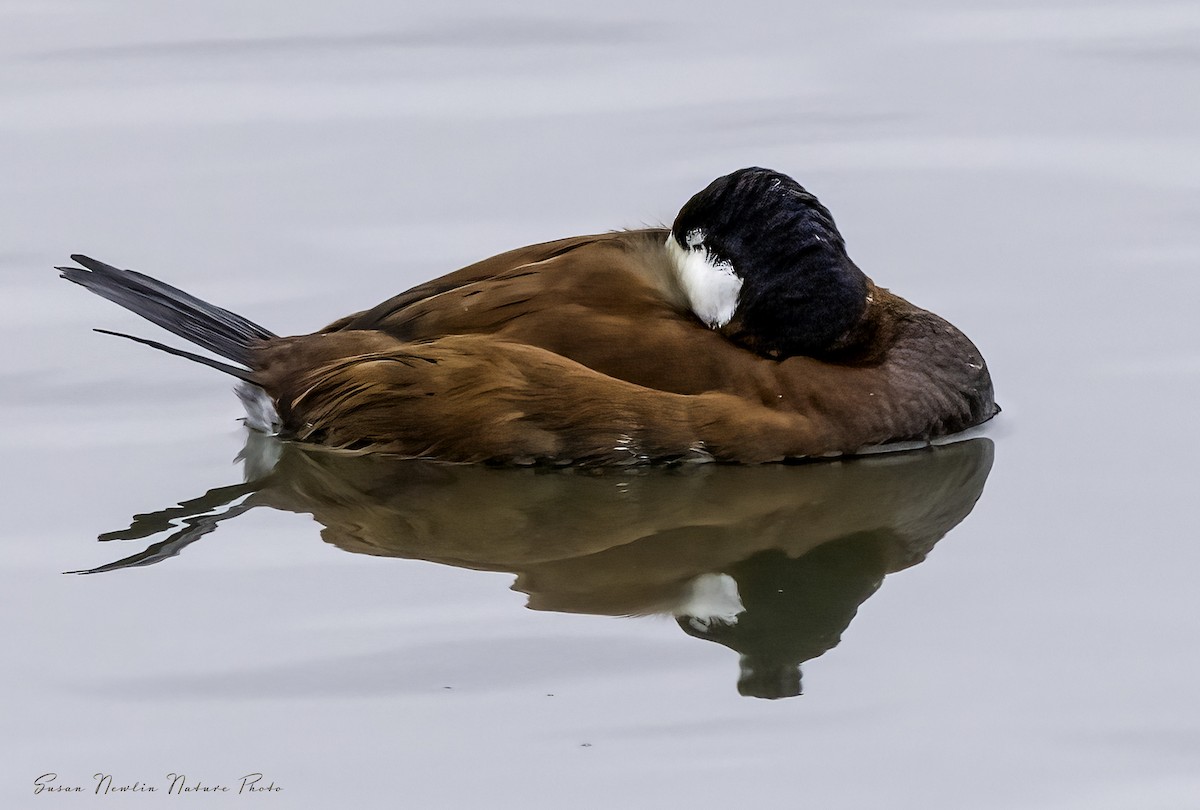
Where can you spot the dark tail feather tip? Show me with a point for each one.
(218, 330)
(235, 371)
(95, 265)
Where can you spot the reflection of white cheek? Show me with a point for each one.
(711, 286)
(710, 598)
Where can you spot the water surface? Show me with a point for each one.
(1028, 171)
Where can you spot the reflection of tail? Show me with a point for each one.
(220, 331)
(194, 518)
(199, 516)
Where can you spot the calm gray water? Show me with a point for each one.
(361, 636)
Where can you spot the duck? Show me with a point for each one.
(744, 333)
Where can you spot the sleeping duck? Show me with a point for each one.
(742, 334)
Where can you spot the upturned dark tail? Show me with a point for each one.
(218, 330)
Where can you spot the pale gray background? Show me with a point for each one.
(1030, 170)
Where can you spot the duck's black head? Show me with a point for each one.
(760, 258)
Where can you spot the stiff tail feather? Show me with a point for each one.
(218, 330)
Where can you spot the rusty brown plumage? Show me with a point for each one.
(580, 351)
(743, 334)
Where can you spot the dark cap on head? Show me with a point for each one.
(801, 294)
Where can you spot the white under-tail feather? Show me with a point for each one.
(261, 413)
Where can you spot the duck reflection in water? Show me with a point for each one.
(770, 561)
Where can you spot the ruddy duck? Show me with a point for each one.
(744, 333)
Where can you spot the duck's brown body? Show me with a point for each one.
(583, 351)
(743, 334)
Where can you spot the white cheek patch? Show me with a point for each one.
(710, 285)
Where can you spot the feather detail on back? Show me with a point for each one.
(472, 398)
